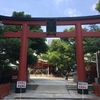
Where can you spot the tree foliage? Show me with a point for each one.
(10, 47)
(61, 54)
(92, 45)
(98, 6)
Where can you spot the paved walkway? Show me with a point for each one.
(50, 88)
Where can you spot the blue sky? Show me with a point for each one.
(49, 8)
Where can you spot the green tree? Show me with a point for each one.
(61, 54)
(92, 45)
(98, 6)
(10, 47)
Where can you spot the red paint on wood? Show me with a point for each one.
(66, 34)
(23, 54)
(4, 90)
(15, 22)
(80, 54)
(90, 34)
(13, 34)
(36, 34)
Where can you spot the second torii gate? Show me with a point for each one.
(25, 34)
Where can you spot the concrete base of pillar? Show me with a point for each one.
(96, 80)
(99, 80)
(20, 90)
(80, 91)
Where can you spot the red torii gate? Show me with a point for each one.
(25, 34)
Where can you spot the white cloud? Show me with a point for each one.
(93, 6)
(6, 11)
(71, 12)
(57, 2)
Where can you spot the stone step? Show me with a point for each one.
(74, 87)
(31, 98)
(34, 86)
(29, 87)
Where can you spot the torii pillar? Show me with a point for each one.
(80, 54)
(24, 35)
(21, 79)
(23, 59)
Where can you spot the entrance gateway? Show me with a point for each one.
(78, 33)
